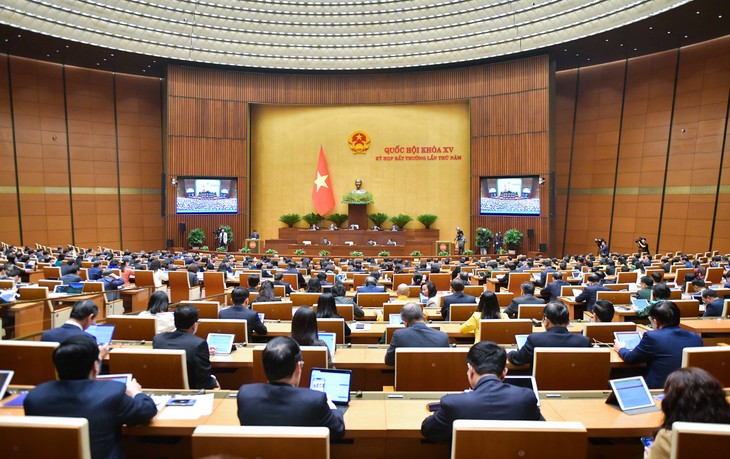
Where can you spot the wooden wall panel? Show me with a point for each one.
(9, 217)
(565, 101)
(509, 124)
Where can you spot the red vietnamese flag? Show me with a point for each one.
(323, 197)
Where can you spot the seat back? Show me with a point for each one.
(503, 331)
(347, 311)
(180, 289)
(530, 311)
(280, 290)
(602, 332)
(376, 299)
(390, 329)
(144, 278)
(688, 308)
(291, 279)
(215, 284)
(358, 280)
(30, 360)
(567, 290)
(504, 298)
(563, 368)
(313, 356)
(627, 277)
(694, 439)
(336, 326)
(516, 280)
(402, 278)
(261, 441)
(206, 309)
(132, 328)
(473, 290)
(281, 310)
(236, 327)
(52, 272)
(713, 359)
(680, 273)
(441, 280)
(460, 312)
(510, 439)
(617, 287)
(616, 298)
(714, 275)
(304, 298)
(44, 436)
(48, 283)
(153, 368)
(430, 369)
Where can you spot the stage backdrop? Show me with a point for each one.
(417, 160)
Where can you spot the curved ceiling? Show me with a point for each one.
(327, 34)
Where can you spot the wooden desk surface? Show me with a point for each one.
(701, 326)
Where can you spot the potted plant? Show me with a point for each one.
(205, 247)
(244, 250)
(444, 253)
(416, 253)
(290, 219)
(384, 253)
(196, 237)
(271, 252)
(483, 240)
(427, 220)
(358, 198)
(324, 253)
(312, 218)
(220, 249)
(378, 218)
(300, 252)
(355, 253)
(338, 219)
(401, 220)
(468, 252)
(512, 239)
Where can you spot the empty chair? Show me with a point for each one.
(48, 437)
(153, 368)
(460, 312)
(627, 277)
(261, 441)
(602, 332)
(132, 328)
(215, 286)
(688, 308)
(572, 368)
(713, 359)
(52, 272)
(530, 311)
(503, 331)
(335, 325)
(441, 280)
(430, 369)
(515, 282)
(313, 357)
(696, 439)
(30, 360)
(236, 327)
(513, 439)
(146, 279)
(180, 288)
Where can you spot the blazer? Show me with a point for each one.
(279, 404)
(662, 351)
(60, 334)
(643, 294)
(368, 289)
(197, 356)
(491, 399)
(551, 292)
(103, 403)
(94, 273)
(239, 312)
(68, 279)
(417, 335)
(714, 309)
(556, 336)
(543, 276)
(287, 287)
(454, 298)
(356, 310)
(514, 305)
(589, 295)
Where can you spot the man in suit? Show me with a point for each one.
(338, 291)
(645, 285)
(106, 405)
(279, 280)
(457, 297)
(71, 276)
(504, 280)
(371, 286)
(292, 268)
(556, 318)
(197, 352)
(241, 311)
(83, 315)
(551, 292)
(661, 348)
(416, 333)
(588, 295)
(490, 398)
(280, 402)
(713, 303)
(603, 311)
(94, 273)
(528, 297)
(549, 268)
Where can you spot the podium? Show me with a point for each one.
(357, 214)
(255, 245)
(444, 245)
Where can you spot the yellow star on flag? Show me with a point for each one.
(321, 181)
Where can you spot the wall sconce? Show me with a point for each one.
(173, 180)
(541, 181)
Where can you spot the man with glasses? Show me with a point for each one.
(280, 402)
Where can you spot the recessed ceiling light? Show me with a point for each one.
(669, 31)
(651, 28)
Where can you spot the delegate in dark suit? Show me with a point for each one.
(588, 295)
(103, 403)
(281, 404)
(454, 298)
(551, 292)
(662, 351)
(514, 306)
(543, 276)
(491, 399)
(714, 308)
(417, 335)
(557, 336)
(239, 312)
(60, 334)
(197, 356)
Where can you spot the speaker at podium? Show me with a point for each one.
(255, 245)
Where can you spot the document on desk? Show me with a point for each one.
(203, 407)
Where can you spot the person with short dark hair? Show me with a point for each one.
(713, 303)
(241, 311)
(371, 286)
(279, 280)
(588, 295)
(690, 395)
(94, 273)
(338, 291)
(106, 405)
(197, 352)
(659, 292)
(490, 398)
(553, 290)
(253, 281)
(645, 285)
(662, 347)
(71, 276)
(416, 333)
(603, 311)
(83, 315)
(528, 297)
(556, 318)
(457, 297)
(280, 402)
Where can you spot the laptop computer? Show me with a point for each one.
(395, 319)
(630, 338)
(222, 342)
(334, 383)
(102, 332)
(639, 304)
(261, 316)
(527, 382)
(521, 340)
(330, 339)
(123, 378)
(631, 395)
(5, 377)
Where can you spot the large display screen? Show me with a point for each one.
(205, 195)
(510, 195)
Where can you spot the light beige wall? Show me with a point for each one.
(285, 142)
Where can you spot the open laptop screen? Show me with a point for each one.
(334, 383)
(521, 340)
(329, 340)
(5, 377)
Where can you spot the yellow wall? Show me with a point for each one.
(285, 143)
